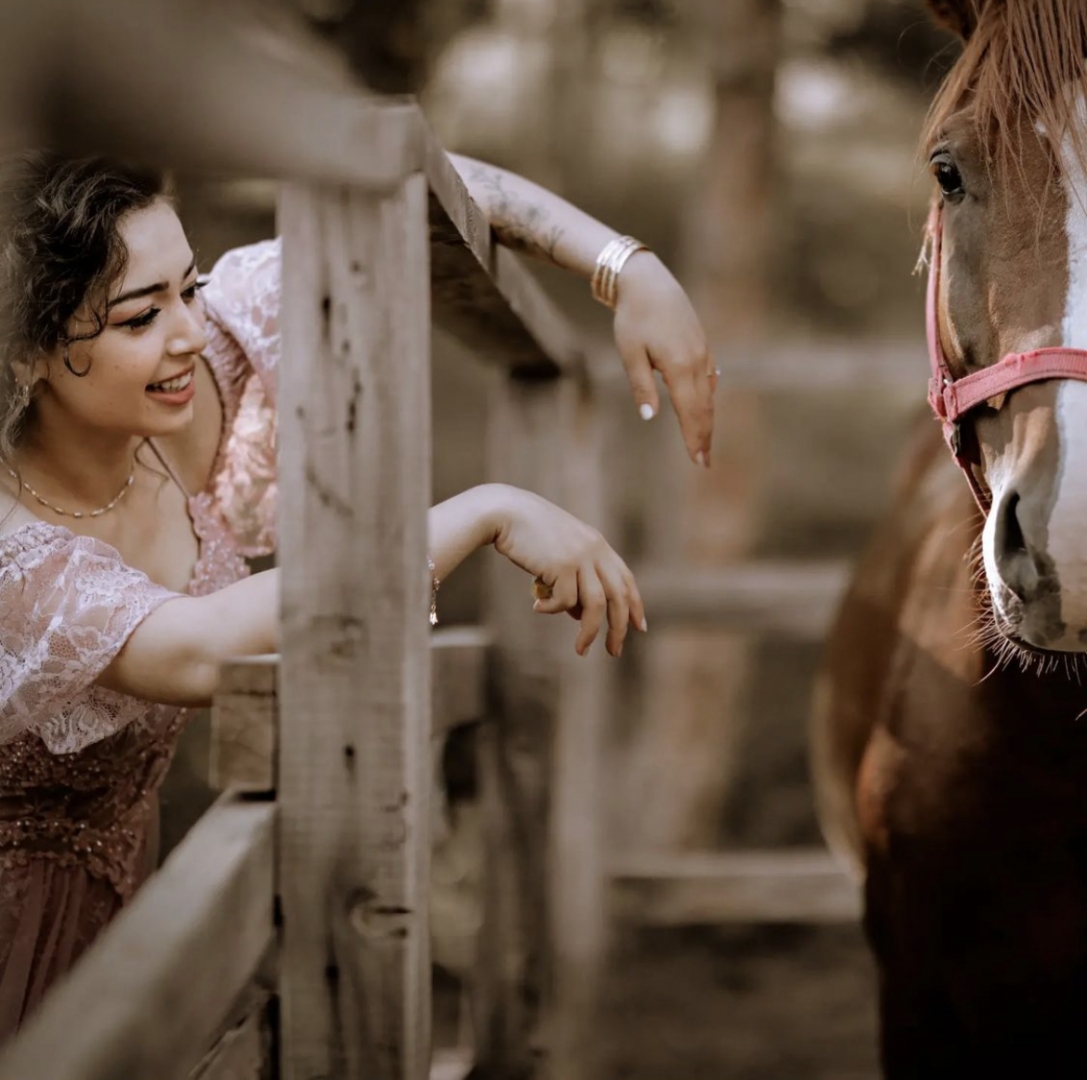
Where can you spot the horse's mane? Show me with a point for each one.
(1023, 57)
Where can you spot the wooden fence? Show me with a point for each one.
(288, 932)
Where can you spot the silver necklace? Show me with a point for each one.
(78, 513)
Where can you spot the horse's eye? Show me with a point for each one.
(948, 177)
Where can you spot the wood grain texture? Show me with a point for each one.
(540, 768)
(800, 886)
(459, 666)
(242, 1053)
(185, 949)
(244, 719)
(355, 668)
(575, 874)
(795, 599)
(482, 293)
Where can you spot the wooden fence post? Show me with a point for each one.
(577, 883)
(355, 674)
(544, 894)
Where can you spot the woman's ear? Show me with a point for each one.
(958, 16)
(29, 372)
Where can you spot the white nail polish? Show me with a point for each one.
(646, 411)
(700, 458)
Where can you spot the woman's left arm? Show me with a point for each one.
(656, 327)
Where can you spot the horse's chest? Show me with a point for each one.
(980, 858)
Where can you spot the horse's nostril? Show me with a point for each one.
(1013, 532)
(1014, 558)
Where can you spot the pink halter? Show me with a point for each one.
(951, 399)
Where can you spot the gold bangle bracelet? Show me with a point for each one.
(609, 264)
(435, 584)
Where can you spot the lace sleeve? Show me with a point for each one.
(67, 605)
(243, 297)
(243, 300)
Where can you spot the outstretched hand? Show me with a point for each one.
(656, 329)
(581, 572)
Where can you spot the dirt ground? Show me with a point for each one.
(768, 1003)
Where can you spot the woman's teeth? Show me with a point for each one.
(172, 386)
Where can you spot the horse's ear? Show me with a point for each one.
(959, 16)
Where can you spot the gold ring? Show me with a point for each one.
(540, 589)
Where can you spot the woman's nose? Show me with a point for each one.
(189, 330)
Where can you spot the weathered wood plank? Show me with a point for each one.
(825, 365)
(540, 768)
(799, 885)
(355, 666)
(241, 1048)
(795, 599)
(244, 716)
(482, 294)
(256, 110)
(509, 984)
(452, 1065)
(576, 872)
(458, 689)
(242, 1053)
(807, 367)
(152, 991)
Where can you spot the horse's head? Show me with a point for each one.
(1007, 143)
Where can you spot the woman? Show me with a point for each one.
(136, 477)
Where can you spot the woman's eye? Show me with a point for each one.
(140, 321)
(948, 177)
(190, 293)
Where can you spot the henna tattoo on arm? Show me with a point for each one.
(518, 223)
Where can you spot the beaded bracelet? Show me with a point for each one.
(609, 263)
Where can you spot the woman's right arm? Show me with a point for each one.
(174, 655)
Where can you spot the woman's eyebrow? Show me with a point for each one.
(149, 290)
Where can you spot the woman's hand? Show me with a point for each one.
(585, 576)
(655, 325)
(656, 329)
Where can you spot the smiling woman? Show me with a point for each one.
(137, 445)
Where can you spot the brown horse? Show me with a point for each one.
(950, 720)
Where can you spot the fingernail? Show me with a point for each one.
(643, 626)
(701, 459)
(646, 411)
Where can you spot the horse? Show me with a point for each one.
(949, 718)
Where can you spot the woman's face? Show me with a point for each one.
(141, 366)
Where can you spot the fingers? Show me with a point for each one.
(605, 590)
(564, 596)
(640, 375)
(691, 386)
(594, 606)
(635, 605)
(615, 587)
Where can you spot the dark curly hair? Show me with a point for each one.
(60, 246)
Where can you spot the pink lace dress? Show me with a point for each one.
(80, 766)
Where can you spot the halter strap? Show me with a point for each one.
(951, 399)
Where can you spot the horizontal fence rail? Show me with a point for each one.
(151, 994)
(683, 889)
(791, 598)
